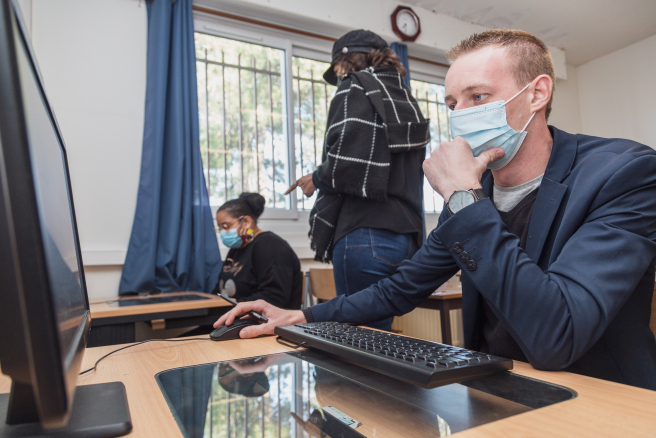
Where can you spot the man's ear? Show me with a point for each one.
(542, 89)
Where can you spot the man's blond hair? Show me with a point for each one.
(531, 56)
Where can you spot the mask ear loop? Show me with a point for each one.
(529, 121)
(518, 93)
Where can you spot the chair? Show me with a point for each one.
(652, 322)
(322, 283)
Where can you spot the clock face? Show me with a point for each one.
(407, 22)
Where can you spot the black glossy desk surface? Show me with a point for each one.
(283, 396)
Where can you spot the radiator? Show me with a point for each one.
(425, 324)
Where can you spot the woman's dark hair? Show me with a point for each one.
(248, 204)
(357, 61)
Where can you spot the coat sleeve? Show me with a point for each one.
(558, 314)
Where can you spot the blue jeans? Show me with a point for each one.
(367, 255)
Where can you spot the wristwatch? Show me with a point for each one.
(462, 198)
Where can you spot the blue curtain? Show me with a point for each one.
(401, 51)
(173, 245)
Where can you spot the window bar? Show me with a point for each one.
(279, 420)
(273, 156)
(439, 123)
(207, 122)
(428, 102)
(309, 398)
(241, 146)
(448, 127)
(257, 141)
(228, 411)
(212, 405)
(325, 96)
(300, 132)
(314, 121)
(225, 146)
(246, 417)
(262, 417)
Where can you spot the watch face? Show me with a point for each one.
(460, 200)
(407, 23)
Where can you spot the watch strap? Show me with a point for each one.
(479, 194)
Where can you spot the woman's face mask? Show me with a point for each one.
(486, 127)
(231, 238)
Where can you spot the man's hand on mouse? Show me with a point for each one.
(275, 315)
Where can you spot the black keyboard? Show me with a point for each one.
(422, 363)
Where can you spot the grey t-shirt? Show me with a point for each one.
(505, 198)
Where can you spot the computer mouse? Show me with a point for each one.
(228, 332)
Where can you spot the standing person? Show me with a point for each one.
(368, 215)
(260, 264)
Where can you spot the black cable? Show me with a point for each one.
(143, 342)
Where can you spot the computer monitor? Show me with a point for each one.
(44, 309)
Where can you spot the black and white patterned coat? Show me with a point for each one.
(372, 116)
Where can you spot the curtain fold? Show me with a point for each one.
(401, 51)
(173, 245)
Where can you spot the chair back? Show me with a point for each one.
(322, 283)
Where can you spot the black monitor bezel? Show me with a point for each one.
(30, 350)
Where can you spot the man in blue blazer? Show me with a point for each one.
(555, 234)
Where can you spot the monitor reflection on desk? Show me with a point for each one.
(282, 396)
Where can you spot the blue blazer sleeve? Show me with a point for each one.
(412, 283)
(558, 314)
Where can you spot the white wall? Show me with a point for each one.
(566, 109)
(92, 56)
(616, 93)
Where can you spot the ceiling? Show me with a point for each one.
(586, 29)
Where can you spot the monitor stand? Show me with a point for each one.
(99, 411)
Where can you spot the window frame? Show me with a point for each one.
(292, 45)
(305, 47)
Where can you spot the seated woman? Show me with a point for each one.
(260, 264)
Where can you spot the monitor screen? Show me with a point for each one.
(54, 207)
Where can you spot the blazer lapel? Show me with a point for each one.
(551, 192)
(550, 195)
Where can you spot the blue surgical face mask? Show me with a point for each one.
(231, 238)
(486, 127)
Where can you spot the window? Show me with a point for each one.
(312, 96)
(244, 118)
(430, 98)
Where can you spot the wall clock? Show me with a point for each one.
(405, 23)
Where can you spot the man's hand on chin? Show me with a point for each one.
(275, 315)
(453, 167)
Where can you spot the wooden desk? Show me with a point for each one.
(448, 297)
(601, 409)
(115, 325)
